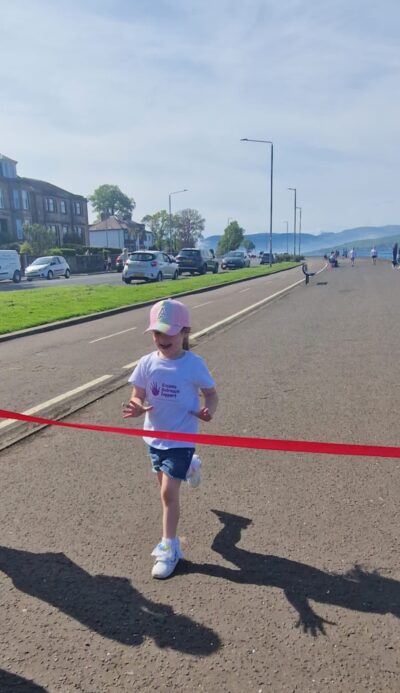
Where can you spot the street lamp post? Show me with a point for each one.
(287, 237)
(299, 208)
(170, 215)
(294, 223)
(246, 139)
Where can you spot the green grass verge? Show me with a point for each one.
(27, 308)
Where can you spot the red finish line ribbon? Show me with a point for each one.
(225, 441)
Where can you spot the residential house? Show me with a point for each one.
(112, 232)
(31, 201)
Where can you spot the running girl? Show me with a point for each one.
(166, 386)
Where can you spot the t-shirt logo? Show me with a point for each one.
(165, 390)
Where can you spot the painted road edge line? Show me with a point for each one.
(59, 398)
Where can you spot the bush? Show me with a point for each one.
(67, 252)
(26, 248)
(11, 246)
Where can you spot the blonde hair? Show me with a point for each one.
(186, 340)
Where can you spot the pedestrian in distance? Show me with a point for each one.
(109, 263)
(394, 255)
(352, 256)
(166, 388)
(374, 255)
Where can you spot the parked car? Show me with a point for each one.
(121, 259)
(47, 268)
(10, 265)
(198, 260)
(265, 259)
(235, 259)
(150, 265)
(119, 263)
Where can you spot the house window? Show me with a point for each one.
(63, 207)
(65, 229)
(49, 204)
(77, 208)
(15, 197)
(8, 169)
(25, 199)
(78, 230)
(19, 229)
(1, 199)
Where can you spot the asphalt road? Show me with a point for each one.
(91, 356)
(291, 580)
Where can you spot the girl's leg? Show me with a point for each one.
(170, 501)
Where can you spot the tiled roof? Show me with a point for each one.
(114, 224)
(47, 188)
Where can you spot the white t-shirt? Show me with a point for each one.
(172, 389)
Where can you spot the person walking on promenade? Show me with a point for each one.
(166, 387)
(352, 256)
(374, 255)
(394, 254)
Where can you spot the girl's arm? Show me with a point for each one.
(135, 406)
(207, 412)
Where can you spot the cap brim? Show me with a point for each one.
(170, 330)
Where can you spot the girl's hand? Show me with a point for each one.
(134, 409)
(203, 414)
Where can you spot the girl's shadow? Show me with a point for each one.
(107, 605)
(357, 589)
(11, 682)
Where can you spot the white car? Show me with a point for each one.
(150, 265)
(48, 267)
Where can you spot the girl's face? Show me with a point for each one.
(169, 347)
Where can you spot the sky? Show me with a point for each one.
(155, 95)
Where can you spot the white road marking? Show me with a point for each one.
(243, 291)
(249, 309)
(55, 400)
(132, 365)
(232, 317)
(200, 305)
(112, 335)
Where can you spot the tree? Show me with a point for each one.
(39, 237)
(158, 224)
(188, 226)
(109, 200)
(232, 238)
(248, 244)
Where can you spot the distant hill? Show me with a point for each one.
(323, 242)
(383, 245)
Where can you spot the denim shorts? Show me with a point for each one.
(174, 462)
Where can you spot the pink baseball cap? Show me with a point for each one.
(168, 316)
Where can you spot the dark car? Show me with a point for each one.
(265, 259)
(235, 259)
(196, 260)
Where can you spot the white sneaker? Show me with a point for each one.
(193, 474)
(167, 555)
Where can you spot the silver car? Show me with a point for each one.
(47, 268)
(149, 265)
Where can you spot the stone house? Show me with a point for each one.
(31, 201)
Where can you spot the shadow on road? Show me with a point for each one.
(358, 590)
(11, 682)
(107, 605)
